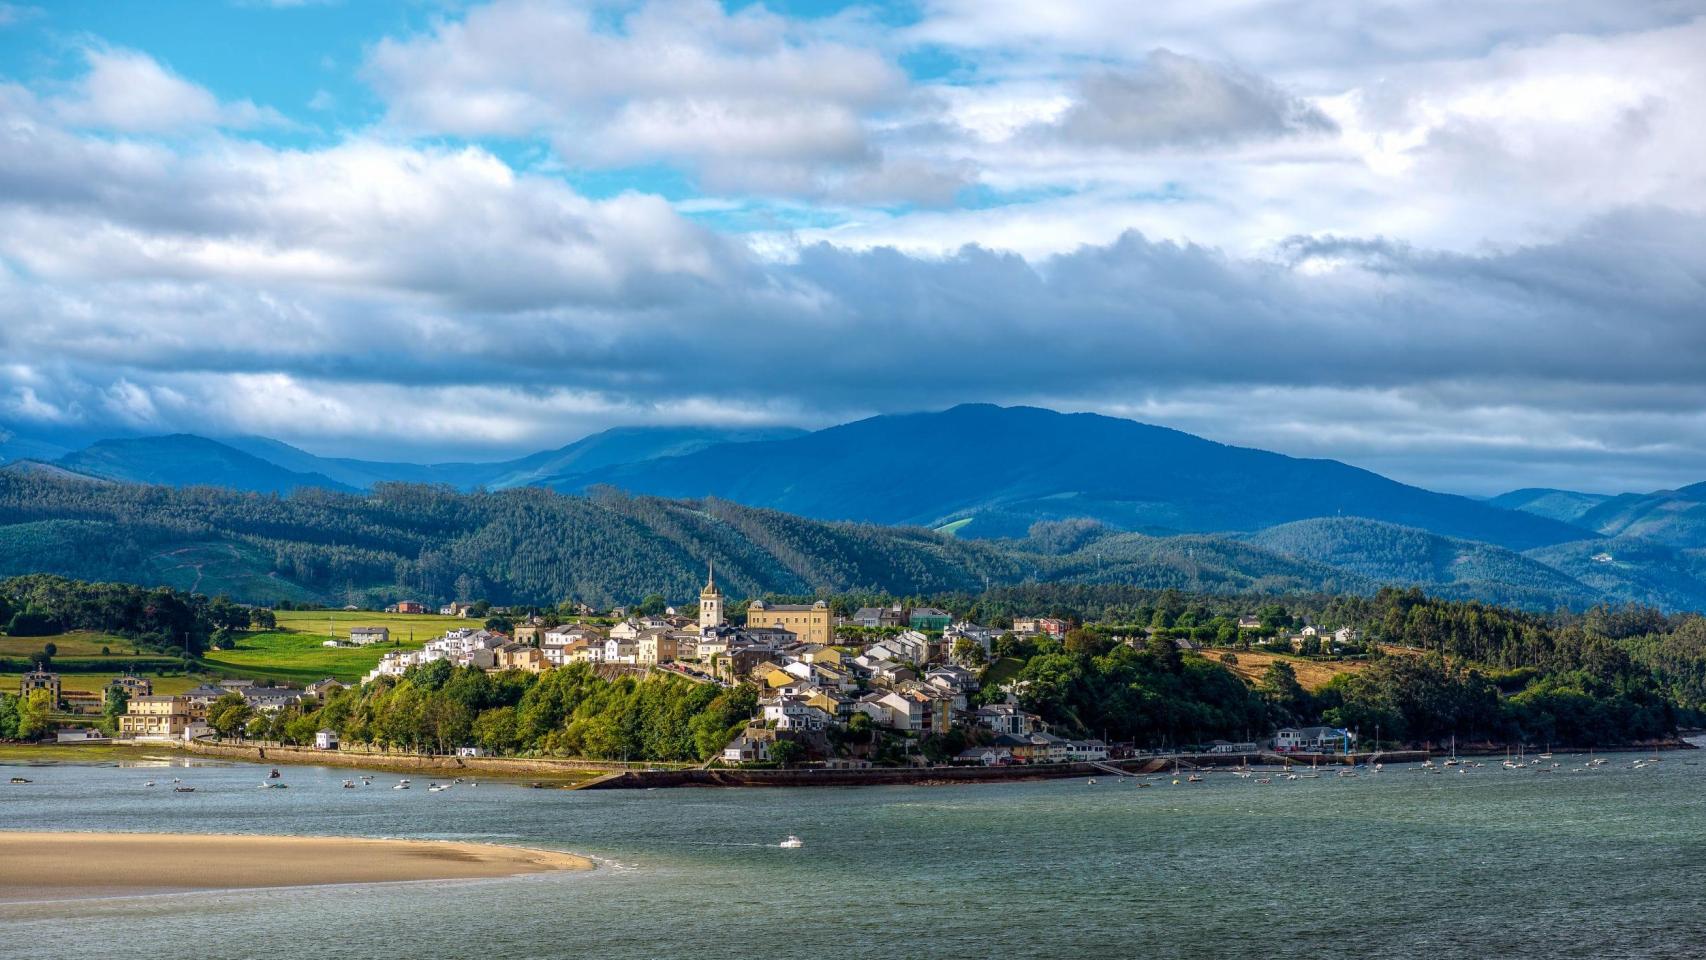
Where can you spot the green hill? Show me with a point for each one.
(1565, 506)
(1446, 566)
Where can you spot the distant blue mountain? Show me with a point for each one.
(183, 460)
(1566, 506)
(1005, 468)
(265, 465)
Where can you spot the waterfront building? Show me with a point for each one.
(131, 686)
(1313, 740)
(40, 680)
(155, 718)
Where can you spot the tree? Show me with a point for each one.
(33, 715)
(8, 717)
(31, 624)
(260, 618)
(117, 700)
(786, 752)
(229, 715)
(969, 653)
(1284, 692)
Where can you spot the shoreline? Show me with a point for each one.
(45, 866)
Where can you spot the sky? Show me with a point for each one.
(1459, 242)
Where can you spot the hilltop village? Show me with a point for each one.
(902, 676)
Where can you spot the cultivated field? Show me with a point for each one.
(1313, 674)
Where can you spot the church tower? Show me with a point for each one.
(710, 601)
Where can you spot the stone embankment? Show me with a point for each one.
(411, 762)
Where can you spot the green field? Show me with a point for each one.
(94, 682)
(952, 528)
(294, 651)
(78, 644)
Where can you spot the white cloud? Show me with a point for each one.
(1173, 100)
(130, 91)
(1467, 251)
(749, 98)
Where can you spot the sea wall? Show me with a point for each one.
(874, 776)
(380, 760)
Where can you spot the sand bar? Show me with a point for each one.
(53, 866)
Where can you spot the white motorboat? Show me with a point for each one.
(791, 843)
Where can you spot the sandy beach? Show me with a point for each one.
(50, 866)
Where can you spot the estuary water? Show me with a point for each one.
(1602, 862)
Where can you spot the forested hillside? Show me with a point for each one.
(1446, 566)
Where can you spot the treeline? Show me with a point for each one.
(1156, 695)
(159, 619)
(1152, 696)
(521, 546)
(571, 711)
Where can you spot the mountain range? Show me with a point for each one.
(1078, 497)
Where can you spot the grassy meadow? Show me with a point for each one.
(95, 682)
(77, 644)
(294, 651)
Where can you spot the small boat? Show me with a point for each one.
(405, 780)
(183, 789)
(401, 786)
(21, 780)
(1091, 781)
(274, 774)
(148, 783)
(1264, 779)
(438, 787)
(1194, 778)
(274, 786)
(1348, 774)
(349, 784)
(791, 843)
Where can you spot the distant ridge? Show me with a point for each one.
(183, 459)
(1566, 506)
(1008, 467)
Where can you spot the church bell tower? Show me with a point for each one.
(710, 601)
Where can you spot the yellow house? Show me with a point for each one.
(809, 622)
(657, 646)
(155, 717)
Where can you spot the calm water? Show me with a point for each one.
(1610, 862)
